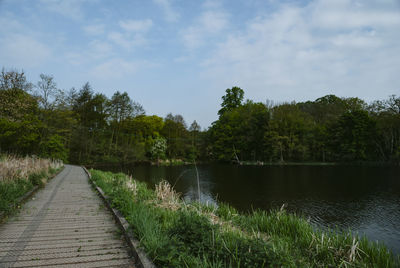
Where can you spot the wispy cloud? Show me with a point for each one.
(96, 50)
(170, 14)
(94, 29)
(70, 9)
(23, 51)
(208, 24)
(302, 52)
(116, 68)
(136, 25)
(21, 46)
(127, 41)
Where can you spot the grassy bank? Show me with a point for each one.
(20, 175)
(175, 234)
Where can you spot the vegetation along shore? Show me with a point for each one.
(176, 234)
(19, 175)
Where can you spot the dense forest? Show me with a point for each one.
(85, 127)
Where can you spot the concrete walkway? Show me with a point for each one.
(64, 225)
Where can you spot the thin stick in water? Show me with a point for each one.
(198, 180)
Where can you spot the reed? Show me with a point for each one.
(13, 167)
(18, 175)
(167, 196)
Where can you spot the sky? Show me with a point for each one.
(179, 56)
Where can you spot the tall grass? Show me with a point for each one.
(13, 167)
(176, 234)
(18, 175)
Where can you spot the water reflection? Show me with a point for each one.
(363, 199)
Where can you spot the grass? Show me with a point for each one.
(19, 175)
(176, 234)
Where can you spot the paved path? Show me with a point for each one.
(64, 225)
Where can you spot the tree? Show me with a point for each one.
(159, 148)
(290, 126)
(387, 115)
(14, 80)
(174, 130)
(54, 148)
(352, 137)
(46, 90)
(142, 131)
(122, 107)
(238, 132)
(88, 137)
(194, 130)
(194, 127)
(232, 99)
(19, 124)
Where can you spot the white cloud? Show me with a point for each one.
(127, 41)
(116, 68)
(71, 9)
(96, 50)
(296, 52)
(75, 58)
(10, 24)
(208, 24)
(212, 4)
(213, 21)
(170, 14)
(346, 14)
(21, 50)
(94, 29)
(100, 49)
(136, 25)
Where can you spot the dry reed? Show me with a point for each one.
(13, 167)
(132, 185)
(167, 195)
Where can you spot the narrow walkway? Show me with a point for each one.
(64, 225)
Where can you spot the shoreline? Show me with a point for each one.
(166, 225)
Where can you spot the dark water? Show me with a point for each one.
(365, 200)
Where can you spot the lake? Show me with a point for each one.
(364, 199)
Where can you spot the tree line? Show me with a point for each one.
(329, 129)
(82, 126)
(85, 127)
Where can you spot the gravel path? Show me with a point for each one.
(63, 225)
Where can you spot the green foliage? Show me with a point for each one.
(85, 127)
(226, 212)
(177, 135)
(159, 148)
(352, 137)
(37, 178)
(54, 148)
(231, 100)
(328, 129)
(10, 191)
(240, 131)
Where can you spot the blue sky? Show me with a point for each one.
(179, 56)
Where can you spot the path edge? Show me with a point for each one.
(141, 259)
